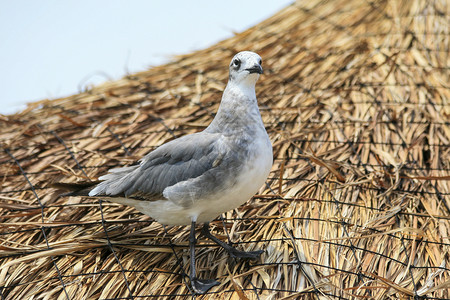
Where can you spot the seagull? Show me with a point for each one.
(195, 178)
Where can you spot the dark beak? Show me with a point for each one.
(255, 69)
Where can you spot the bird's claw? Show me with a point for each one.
(201, 286)
(234, 253)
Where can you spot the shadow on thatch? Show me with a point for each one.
(356, 101)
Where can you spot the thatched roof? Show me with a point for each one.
(355, 98)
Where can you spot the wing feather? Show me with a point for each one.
(179, 160)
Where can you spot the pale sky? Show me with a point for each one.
(52, 48)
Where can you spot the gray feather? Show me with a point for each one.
(180, 160)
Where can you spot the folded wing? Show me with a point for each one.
(177, 161)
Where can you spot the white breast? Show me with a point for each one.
(248, 182)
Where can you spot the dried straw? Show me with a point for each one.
(356, 101)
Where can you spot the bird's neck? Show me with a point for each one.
(244, 88)
(238, 109)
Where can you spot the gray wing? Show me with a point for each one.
(179, 160)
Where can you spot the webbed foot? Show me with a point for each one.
(201, 286)
(235, 253)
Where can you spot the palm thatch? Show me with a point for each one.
(355, 98)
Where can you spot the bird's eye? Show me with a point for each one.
(237, 62)
(260, 61)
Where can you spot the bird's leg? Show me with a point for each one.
(233, 252)
(200, 286)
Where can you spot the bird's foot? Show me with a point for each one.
(201, 286)
(234, 253)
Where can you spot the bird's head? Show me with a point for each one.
(245, 68)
